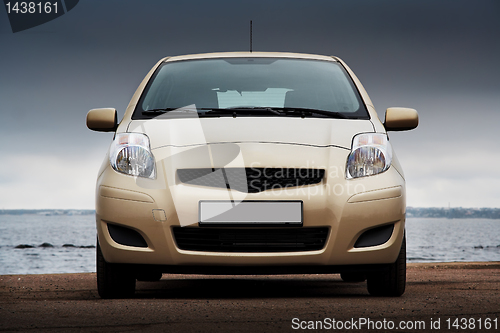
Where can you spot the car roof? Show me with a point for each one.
(250, 54)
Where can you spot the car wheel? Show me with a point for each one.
(113, 280)
(393, 281)
(353, 277)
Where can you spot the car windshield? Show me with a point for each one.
(258, 86)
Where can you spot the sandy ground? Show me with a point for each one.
(195, 303)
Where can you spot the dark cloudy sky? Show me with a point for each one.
(439, 56)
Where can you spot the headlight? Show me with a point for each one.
(371, 154)
(130, 154)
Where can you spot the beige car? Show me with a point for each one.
(251, 163)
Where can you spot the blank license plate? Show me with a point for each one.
(250, 212)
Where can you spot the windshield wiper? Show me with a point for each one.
(285, 111)
(158, 110)
(239, 110)
(164, 110)
(303, 112)
(254, 111)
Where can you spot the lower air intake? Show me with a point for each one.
(126, 236)
(250, 240)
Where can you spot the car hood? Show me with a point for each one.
(184, 132)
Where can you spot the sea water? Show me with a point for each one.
(40, 244)
(447, 240)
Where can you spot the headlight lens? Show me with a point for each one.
(130, 154)
(371, 154)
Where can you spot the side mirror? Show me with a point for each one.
(102, 120)
(400, 119)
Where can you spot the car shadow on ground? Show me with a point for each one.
(260, 287)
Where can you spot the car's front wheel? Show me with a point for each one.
(113, 280)
(391, 282)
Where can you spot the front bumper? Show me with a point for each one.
(348, 208)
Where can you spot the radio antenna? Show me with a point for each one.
(250, 36)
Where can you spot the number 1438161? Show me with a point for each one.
(31, 7)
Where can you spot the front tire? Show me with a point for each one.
(113, 280)
(391, 282)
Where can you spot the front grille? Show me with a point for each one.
(250, 240)
(251, 180)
